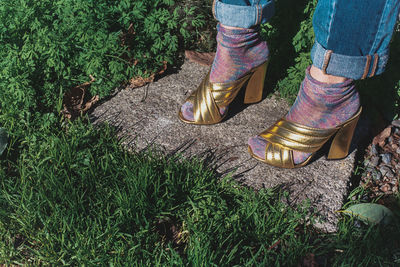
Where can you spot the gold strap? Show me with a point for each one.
(205, 110)
(278, 156)
(296, 137)
(210, 97)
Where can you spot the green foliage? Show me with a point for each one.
(302, 43)
(357, 245)
(279, 33)
(48, 47)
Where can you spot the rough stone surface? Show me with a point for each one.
(149, 116)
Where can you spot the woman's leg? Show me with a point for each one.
(352, 42)
(239, 46)
(352, 37)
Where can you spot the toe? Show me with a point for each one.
(300, 157)
(187, 111)
(258, 145)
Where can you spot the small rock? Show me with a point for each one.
(370, 169)
(374, 149)
(380, 138)
(398, 150)
(394, 147)
(396, 123)
(385, 188)
(386, 158)
(374, 161)
(390, 139)
(357, 224)
(395, 189)
(376, 176)
(367, 163)
(386, 171)
(365, 198)
(397, 166)
(397, 131)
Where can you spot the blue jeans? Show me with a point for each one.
(243, 13)
(351, 36)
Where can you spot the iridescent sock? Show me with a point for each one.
(318, 105)
(238, 51)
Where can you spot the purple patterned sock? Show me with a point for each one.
(238, 51)
(318, 105)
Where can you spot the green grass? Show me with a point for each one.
(74, 196)
(358, 245)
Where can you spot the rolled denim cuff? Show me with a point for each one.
(353, 67)
(243, 16)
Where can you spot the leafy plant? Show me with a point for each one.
(48, 47)
(302, 43)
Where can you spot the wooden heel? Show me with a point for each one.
(255, 85)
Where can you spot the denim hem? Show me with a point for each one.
(353, 67)
(243, 16)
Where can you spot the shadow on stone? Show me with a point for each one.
(154, 122)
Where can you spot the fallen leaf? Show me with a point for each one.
(380, 138)
(164, 68)
(370, 213)
(205, 59)
(140, 81)
(75, 101)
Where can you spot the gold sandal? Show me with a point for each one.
(210, 97)
(284, 137)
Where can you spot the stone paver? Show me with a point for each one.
(151, 118)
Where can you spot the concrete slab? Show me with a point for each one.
(149, 115)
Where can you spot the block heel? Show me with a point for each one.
(255, 86)
(341, 141)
